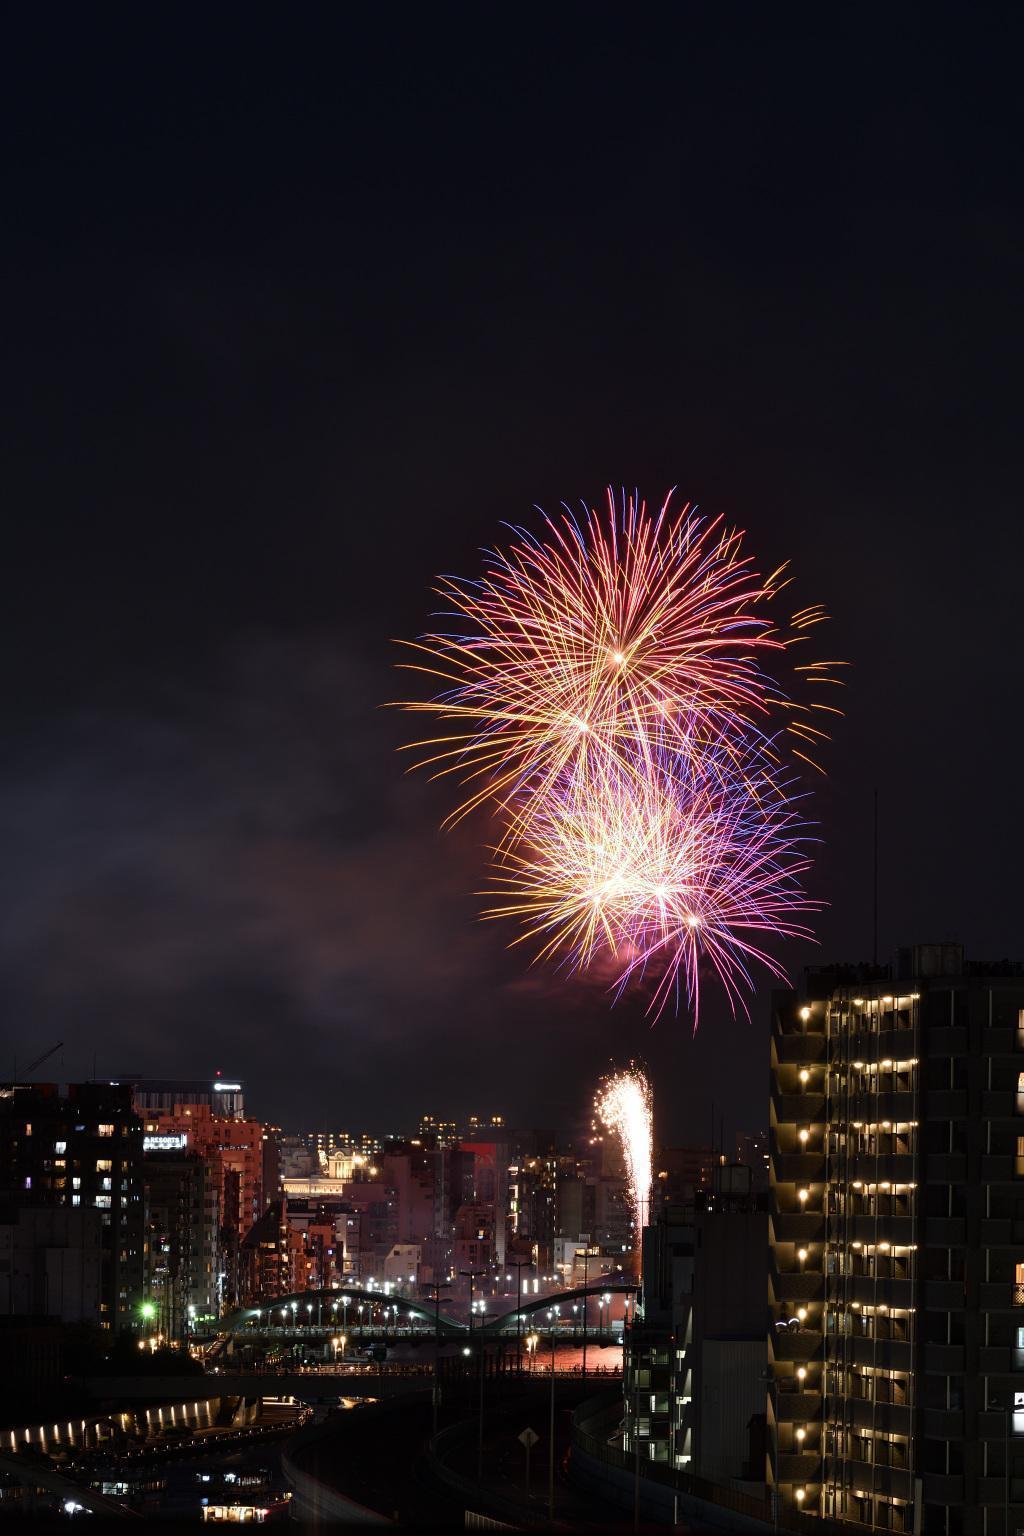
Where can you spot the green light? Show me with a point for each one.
(148, 1310)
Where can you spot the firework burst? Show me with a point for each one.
(613, 694)
(615, 632)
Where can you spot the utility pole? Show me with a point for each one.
(551, 1431)
(586, 1262)
(436, 1395)
(472, 1275)
(519, 1265)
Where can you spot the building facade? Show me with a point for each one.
(81, 1149)
(896, 1278)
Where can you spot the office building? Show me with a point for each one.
(80, 1149)
(897, 1267)
(183, 1262)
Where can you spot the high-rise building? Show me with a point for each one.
(234, 1150)
(222, 1096)
(896, 1278)
(695, 1354)
(182, 1240)
(81, 1149)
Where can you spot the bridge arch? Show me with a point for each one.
(334, 1308)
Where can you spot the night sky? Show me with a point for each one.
(297, 306)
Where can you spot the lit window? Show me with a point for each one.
(76, 1199)
(28, 1181)
(62, 1146)
(102, 1202)
(103, 1165)
(105, 1129)
(76, 1183)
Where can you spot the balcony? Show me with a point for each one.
(996, 1234)
(944, 1295)
(798, 1167)
(945, 1231)
(1000, 1104)
(1000, 1296)
(950, 1041)
(802, 1468)
(946, 1168)
(946, 1359)
(895, 1167)
(943, 1423)
(799, 1227)
(886, 1354)
(992, 1490)
(797, 1407)
(939, 1489)
(898, 1230)
(894, 1418)
(803, 1106)
(947, 1104)
(798, 1285)
(798, 1049)
(895, 1292)
(1000, 1168)
(897, 1482)
(994, 1359)
(898, 1105)
(795, 1344)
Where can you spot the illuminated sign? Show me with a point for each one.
(227, 1087)
(173, 1143)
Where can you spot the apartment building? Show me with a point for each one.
(896, 1275)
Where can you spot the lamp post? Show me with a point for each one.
(519, 1265)
(472, 1275)
(586, 1262)
(551, 1434)
(438, 1287)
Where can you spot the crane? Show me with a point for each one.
(44, 1057)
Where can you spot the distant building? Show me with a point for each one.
(51, 1264)
(183, 1224)
(752, 1149)
(696, 1352)
(81, 1150)
(222, 1096)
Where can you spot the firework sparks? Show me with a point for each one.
(653, 874)
(604, 692)
(616, 632)
(623, 1106)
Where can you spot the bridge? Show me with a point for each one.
(364, 1315)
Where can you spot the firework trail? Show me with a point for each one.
(623, 1106)
(604, 692)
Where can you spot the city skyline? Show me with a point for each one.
(292, 422)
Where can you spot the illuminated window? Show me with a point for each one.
(105, 1129)
(62, 1146)
(102, 1202)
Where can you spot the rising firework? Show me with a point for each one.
(614, 694)
(623, 1106)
